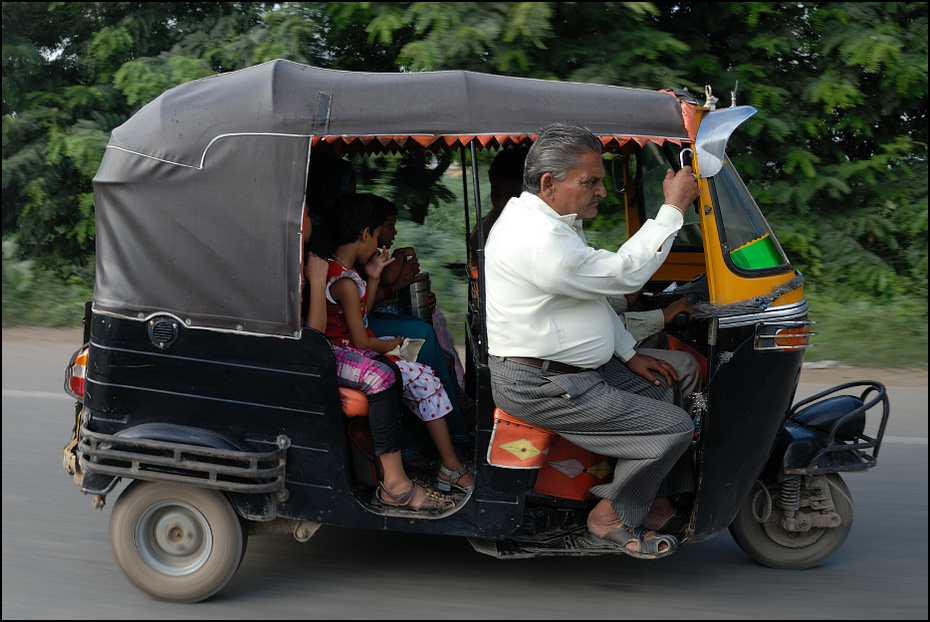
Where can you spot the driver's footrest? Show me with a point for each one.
(566, 544)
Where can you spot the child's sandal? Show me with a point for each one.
(434, 502)
(454, 477)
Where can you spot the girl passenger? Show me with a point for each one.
(377, 377)
(354, 227)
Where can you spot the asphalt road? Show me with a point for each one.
(57, 562)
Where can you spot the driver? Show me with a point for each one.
(646, 326)
(560, 357)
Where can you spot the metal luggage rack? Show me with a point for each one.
(231, 470)
(858, 449)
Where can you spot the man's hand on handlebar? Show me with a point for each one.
(680, 189)
(682, 306)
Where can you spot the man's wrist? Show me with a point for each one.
(626, 356)
(672, 216)
(677, 208)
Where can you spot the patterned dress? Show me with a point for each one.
(423, 393)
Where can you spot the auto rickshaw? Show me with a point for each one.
(198, 385)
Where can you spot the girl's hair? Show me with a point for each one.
(352, 214)
(329, 178)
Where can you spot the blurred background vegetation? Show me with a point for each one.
(836, 158)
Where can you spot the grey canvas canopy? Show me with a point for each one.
(199, 196)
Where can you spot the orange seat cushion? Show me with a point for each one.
(570, 471)
(354, 402)
(516, 444)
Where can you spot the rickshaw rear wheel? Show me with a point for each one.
(770, 544)
(178, 543)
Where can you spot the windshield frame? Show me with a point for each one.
(753, 213)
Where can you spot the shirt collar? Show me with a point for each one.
(534, 201)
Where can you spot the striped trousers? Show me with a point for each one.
(613, 412)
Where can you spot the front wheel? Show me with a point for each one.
(771, 544)
(177, 543)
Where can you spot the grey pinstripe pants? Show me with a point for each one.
(613, 412)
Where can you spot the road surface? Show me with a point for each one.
(57, 562)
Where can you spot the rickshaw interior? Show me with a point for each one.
(636, 170)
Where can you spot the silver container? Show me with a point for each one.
(414, 299)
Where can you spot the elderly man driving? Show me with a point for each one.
(560, 358)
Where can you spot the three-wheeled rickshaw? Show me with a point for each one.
(199, 386)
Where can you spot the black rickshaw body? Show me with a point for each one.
(196, 370)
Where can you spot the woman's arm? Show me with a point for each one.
(398, 274)
(315, 271)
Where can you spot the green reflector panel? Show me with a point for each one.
(760, 253)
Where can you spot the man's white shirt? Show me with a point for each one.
(547, 288)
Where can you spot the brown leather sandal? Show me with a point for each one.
(434, 502)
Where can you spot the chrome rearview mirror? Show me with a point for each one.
(713, 134)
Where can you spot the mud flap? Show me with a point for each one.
(70, 463)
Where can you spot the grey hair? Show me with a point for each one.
(557, 149)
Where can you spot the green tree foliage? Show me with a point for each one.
(837, 156)
(72, 71)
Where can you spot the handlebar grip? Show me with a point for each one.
(685, 157)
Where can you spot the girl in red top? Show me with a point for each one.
(355, 226)
(379, 379)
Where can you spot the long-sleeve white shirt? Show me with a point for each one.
(547, 289)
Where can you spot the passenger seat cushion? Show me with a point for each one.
(516, 444)
(354, 402)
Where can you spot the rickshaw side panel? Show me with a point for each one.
(253, 389)
(217, 380)
(501, 492)
(749, 398)
(249, 389)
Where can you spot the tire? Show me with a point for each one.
(771, 545)
(176, 542)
